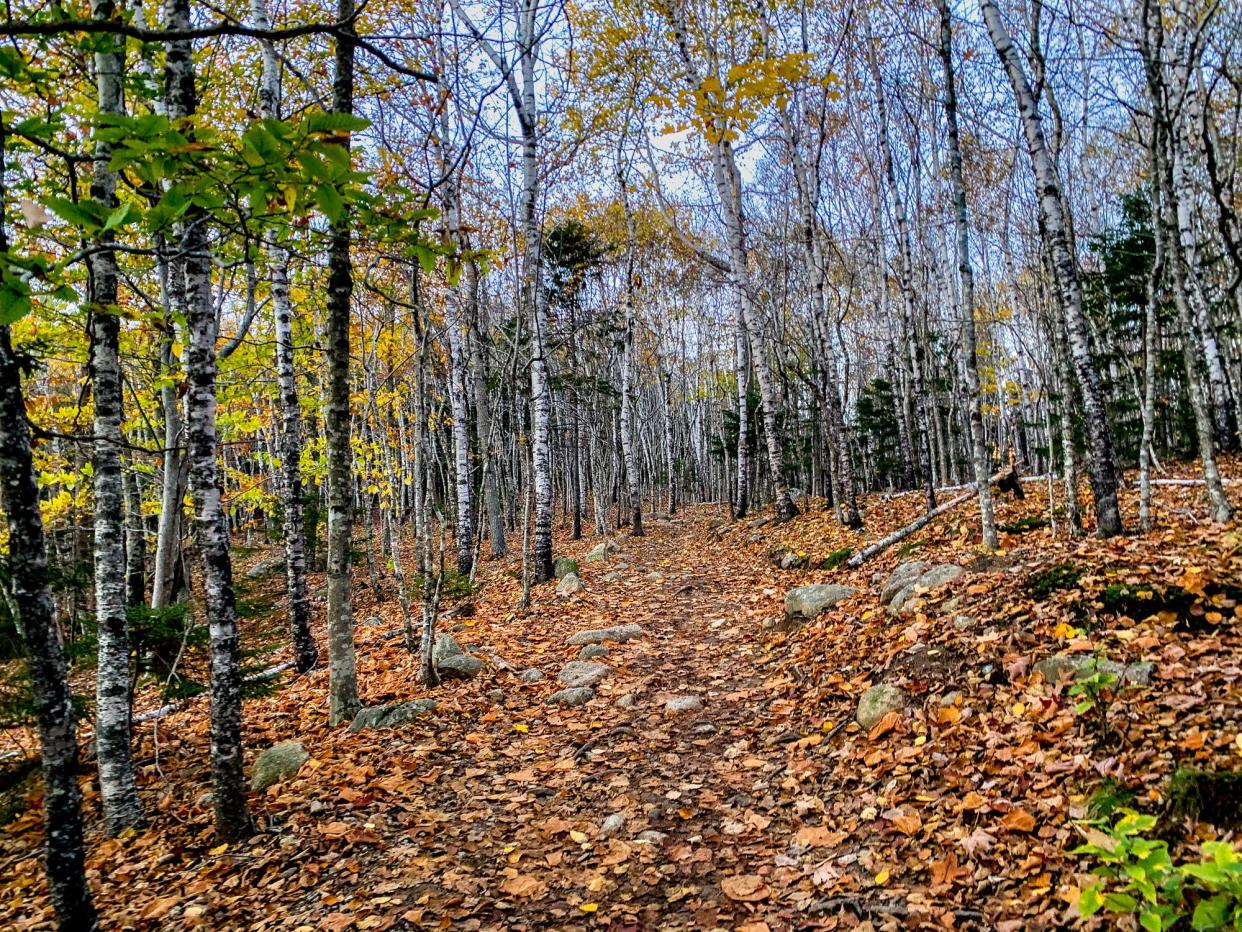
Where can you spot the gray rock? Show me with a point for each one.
(651, 837)
(391, 715)
(613, 825)
(612, 576)
(496, 695)
(758, 522)
(704, 728)
(655, 576)
(597, 635)
(684, 704)
(932, 578)
(905, 575)
(279, 762)
(1080, 666)
(791, 560)
(570, 585)
(583, 673)
(563, 566)
(806, 602)
(533, 675)
(964, 622)
(877, 702)
(601, 551)
(621, 565)
(939, 575)
(593, 650)
(263, 567)
(373, 621)
(451, 662)
(574, 696)
(756, 537)
(627, 701)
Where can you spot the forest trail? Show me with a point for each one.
(767, 807)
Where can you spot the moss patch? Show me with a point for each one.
(1212, 796)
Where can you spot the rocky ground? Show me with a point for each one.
(718, 725)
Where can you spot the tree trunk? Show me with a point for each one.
(970, 360)
(1055, 227)
(232, 818)
(118, 784)
(343, 701)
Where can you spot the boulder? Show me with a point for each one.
(684, 704)
(591, 651)
(932, 578)
(1080, 666)
(758, 522)
(532, 675)
(583, 673)
(451, 662)
(563, 566)
(573, 696)
(790, 559)
(279, 762)
(807, 602)
(877, 702)
(602, 550)
(391, 715)
(905, 575)
(613, 825)
(569, 585)
(264, 566)
(597, 635)
(373, 621)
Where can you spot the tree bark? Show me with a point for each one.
(343, 701)
(1055, 228)
(970, 359)
(232, 819)
(118, 784)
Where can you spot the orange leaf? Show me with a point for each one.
(745, 888)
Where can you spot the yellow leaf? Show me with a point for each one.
(578, 837)
(882, 878)
(589, 907)
(220, 849)
(522, 727)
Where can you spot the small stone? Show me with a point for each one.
(373, 621)
(964, 622)
(905, 575)
(613, 825)
(496, 695)
(279, 762)
(704, 728)
(622, 565)
(532, 675)
(583, 673)
(758, 522)
(574, 696)
(453, 663)
(570, 585)
(877, 702)
(655, 576)
(612, 576)
(717, 623)
(627, 701)
(1081, 666)
(593, 650)
(596, 635)
(804, 603)
(684, 704)
(563, 566)
(263, 567)
(951, 698)
(391, 715)
(600, 551)
(651, 837)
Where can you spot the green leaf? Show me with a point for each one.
(329, 201)
(87, 215)
(1089, 901)
(1211, 913)
(334, 123)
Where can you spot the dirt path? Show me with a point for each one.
(504, 826)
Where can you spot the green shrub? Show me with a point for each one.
(837, 558)
(1023, 525)
(1056, 577)
(1139, 878)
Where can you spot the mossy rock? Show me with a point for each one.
(1212, 796)
(279, 762)
(563, 566)
(1054, 578)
